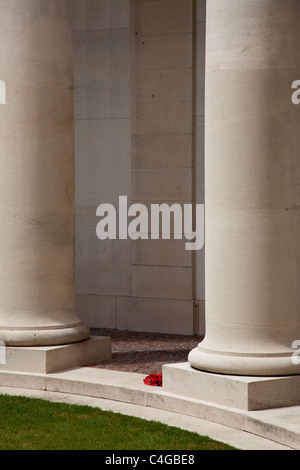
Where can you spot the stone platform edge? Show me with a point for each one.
(280, 425)
(49, 359)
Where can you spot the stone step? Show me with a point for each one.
(281, 425)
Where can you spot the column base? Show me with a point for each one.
(243, 393)
(50, 359)
(44, 336)
(266, 365)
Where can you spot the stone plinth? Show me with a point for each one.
(239, 392)
(50, 359)
(252, 173)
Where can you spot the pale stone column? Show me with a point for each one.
(37, 176)
(252, 189)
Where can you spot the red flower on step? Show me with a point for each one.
(154, 380)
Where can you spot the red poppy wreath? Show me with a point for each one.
(154, 380)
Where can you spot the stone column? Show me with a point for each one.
(37, 176)
(252, 189)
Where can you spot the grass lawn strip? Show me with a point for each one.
(35, 424)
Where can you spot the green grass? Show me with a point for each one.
(33, 424)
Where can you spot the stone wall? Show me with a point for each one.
(139, 133)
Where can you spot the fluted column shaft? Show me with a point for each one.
(37, 175)
(252, 188)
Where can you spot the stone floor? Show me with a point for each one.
(145, 353)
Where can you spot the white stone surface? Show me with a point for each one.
(246, 393)
(102, 75)
(162, 282)
(37, 301)
(48, 359)
(252, 174)
(270, 429)
(162, 161)
(99, 311)
(200, 42)
(162, 315)
(134, 134)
